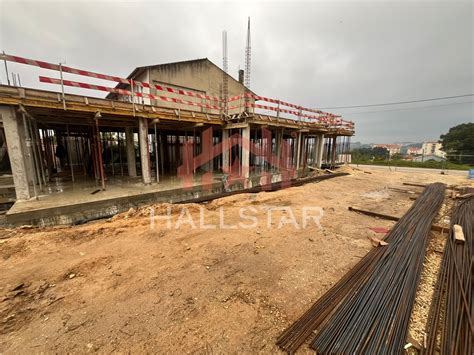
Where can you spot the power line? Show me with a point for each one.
(408, 108)
(399, 102)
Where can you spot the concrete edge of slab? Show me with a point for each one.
(75, 213)
(83, 212)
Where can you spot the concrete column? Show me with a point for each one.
(30, 169)
(225, 150)
(16, 151)
(320, 145)
(298, 151)
(314, 153)
(144, 152)
(130, 144)
(246, 151)
(278, 147)
(334, 150)
(210, 165)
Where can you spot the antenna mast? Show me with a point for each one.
(225, 77)
(248, 51)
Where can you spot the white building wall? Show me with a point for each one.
(200, 76)
(433, 148)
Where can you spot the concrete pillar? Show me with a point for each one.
(278, 147)
(314, 152)
(30, 169)
(16, 152)
(246, 151)
(225, 150)
(320, 145)
(144, 152)
(210, 165)
(130, 145)
(298, 151)
(334, 150)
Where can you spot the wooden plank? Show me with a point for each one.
(458, 234)
(392, 218)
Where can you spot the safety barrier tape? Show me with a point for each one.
(66, 69)
(282, 103)
(326, 119)
(77, 84)
(52, 66)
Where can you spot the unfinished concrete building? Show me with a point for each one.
(167, 133)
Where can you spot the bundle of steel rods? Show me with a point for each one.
(450, 328)
(369, 309)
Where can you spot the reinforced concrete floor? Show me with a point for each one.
(64, 193)
(64, 202)
(61, 191)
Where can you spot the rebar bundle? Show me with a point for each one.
(369, 309)
(450, 321)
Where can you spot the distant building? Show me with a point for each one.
(392, 148)
(424, 158)
(414, 151)
(432, 148)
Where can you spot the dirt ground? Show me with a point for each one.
(127, 284)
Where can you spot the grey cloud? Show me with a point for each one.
(318, 54)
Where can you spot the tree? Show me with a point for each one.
(458, 143)
(366, 154)
(361, 154)
(396, 156)
(380, 153)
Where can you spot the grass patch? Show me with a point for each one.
(414, 164)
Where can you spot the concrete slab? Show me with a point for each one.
(66, 203)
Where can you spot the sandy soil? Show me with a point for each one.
(128, 285)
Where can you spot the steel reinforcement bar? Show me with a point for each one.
(369, 309)
(450, 328)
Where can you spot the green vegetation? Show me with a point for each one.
(430, 164)
(458, 143)
(370, 154)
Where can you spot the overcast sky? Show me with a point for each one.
(317, 54)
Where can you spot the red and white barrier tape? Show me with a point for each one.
(326, 116)
(325, 119)
(66, 69)
(282, 103)
(122, 92)
(287, 104)
(296, 113)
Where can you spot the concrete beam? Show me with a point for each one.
(130, 145)
(144, 152)
(13, 128)
(236, 125)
